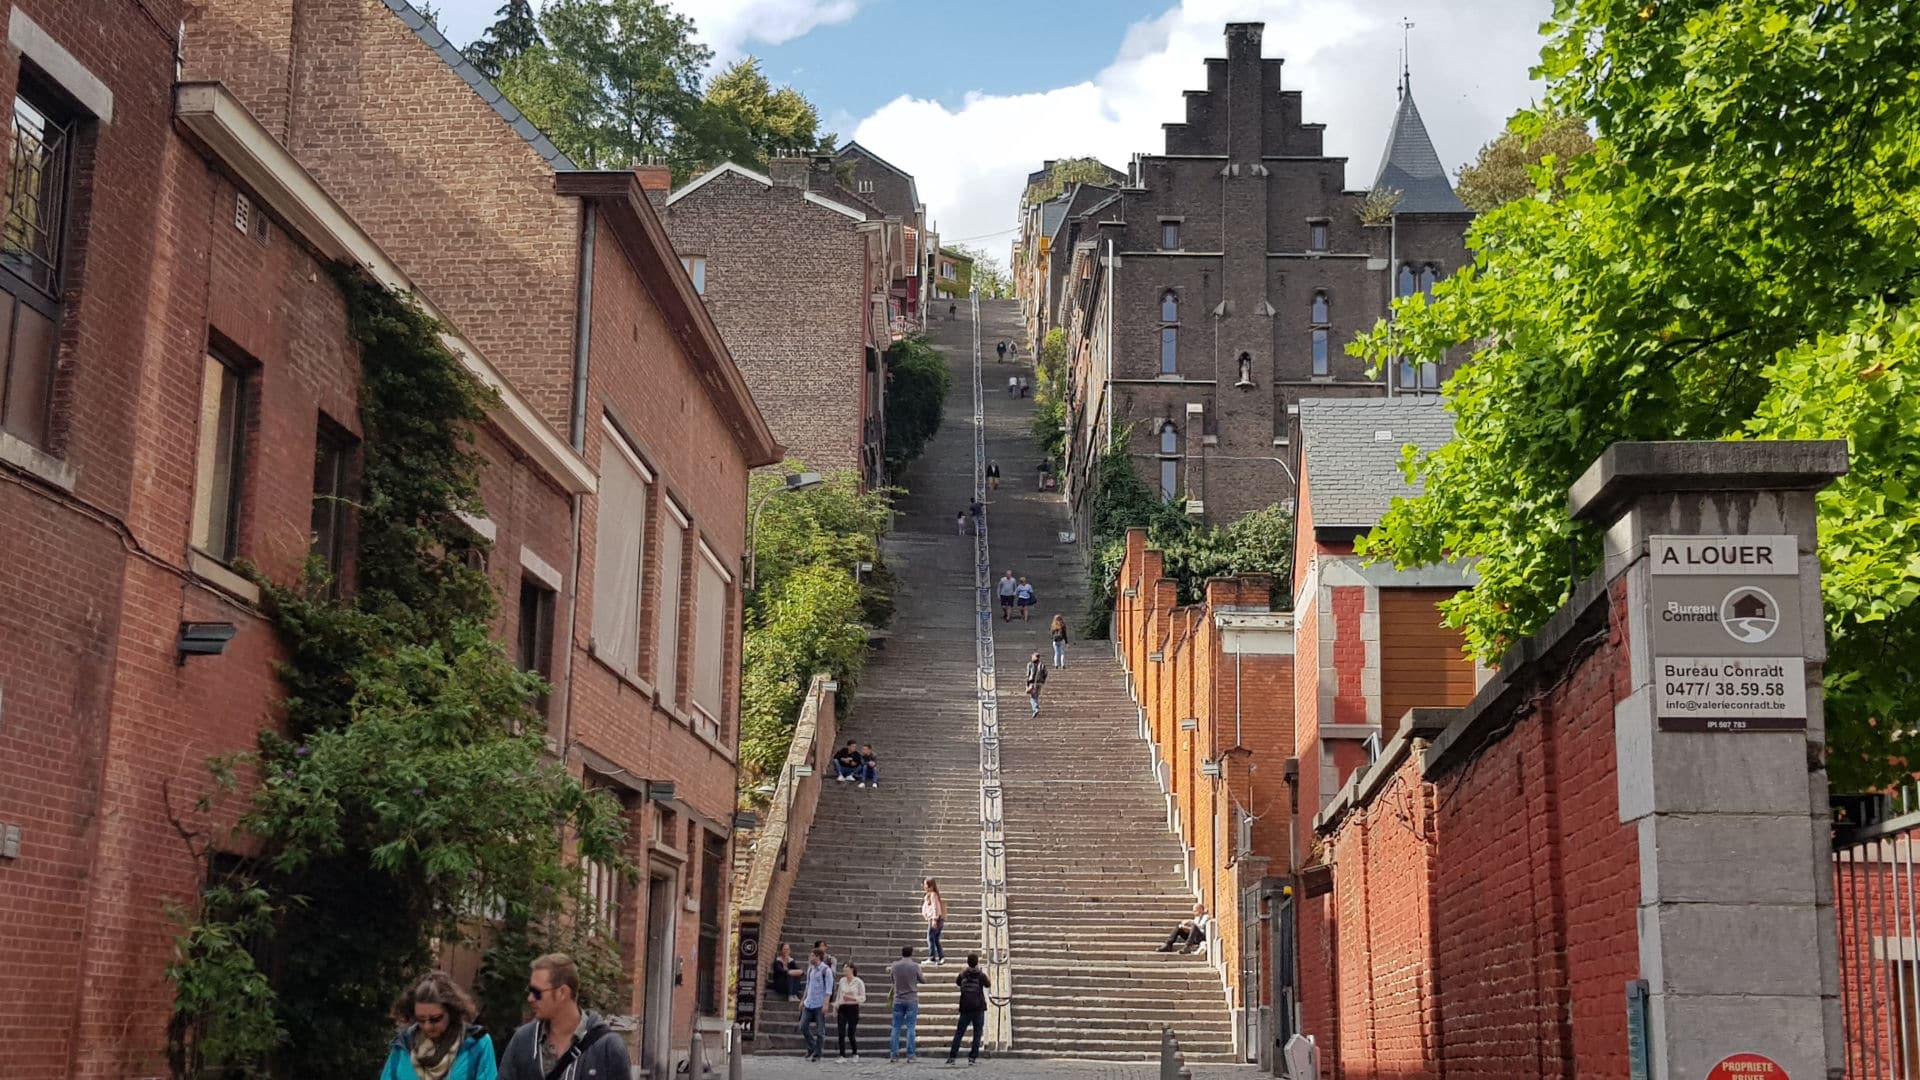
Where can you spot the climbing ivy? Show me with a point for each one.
(408, 792)
(917, 381)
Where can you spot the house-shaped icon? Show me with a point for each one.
(1750, 607)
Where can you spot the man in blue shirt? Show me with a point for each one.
(813, 1015)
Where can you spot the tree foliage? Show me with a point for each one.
(1065, 173)
(410, 788)
(917, 382)
(514, 31)
(1050, 397)
(1735, 258)
(810, 606)
(1537, 148)
(750, 120)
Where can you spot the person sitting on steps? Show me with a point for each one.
(869, 767)
(1192, 933)
(846, 762)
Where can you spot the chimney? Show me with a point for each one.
(788, 171)
(1243, 40)
(820, 174)
(654, 177)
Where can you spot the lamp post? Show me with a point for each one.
(800, 481)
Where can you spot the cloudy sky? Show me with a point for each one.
(970, 98)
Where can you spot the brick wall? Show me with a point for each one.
(1482, 915)
(785, 282)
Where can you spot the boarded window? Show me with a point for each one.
(710, 641)
(673, 544)
(620, 539)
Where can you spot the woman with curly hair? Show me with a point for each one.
(440, 1040)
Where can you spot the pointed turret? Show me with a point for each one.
(1411, 167)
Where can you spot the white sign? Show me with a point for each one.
(1748, 555)
(1731, 693)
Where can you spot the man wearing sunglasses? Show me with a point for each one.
(562, 1042)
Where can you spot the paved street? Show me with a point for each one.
(782, 1067)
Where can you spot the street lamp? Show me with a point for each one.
(799, 481)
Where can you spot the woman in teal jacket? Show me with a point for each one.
(440, 1040)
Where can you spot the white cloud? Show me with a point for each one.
(729, 27)
(1470, 62)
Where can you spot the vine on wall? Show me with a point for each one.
(408, 800)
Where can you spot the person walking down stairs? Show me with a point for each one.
(1023, 598)
(1059, 629)
(973, 984)
(933, 908)
(1036, 678)
(1007, 588)
(849, 996)
(907, 978)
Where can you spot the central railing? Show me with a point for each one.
(996, 951)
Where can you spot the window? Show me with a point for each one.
(866, 187)
(1316, 236)
(710, 636)
(706, 984)
(1169, 479)
(603, 899)
(1429, 376)
(332, 494)
(1169, 335)
(223, 435)
(696, 266)
(948, 271)
(1320, 309)
(534, 650)
(620, 540)
(31, 243)
(1170, 235)
(666, 668)
(1405, 285)
(1321, 365)
(1169, 438)
(1427, 279)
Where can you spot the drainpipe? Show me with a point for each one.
(1393, 287)
(1108, 410)
(577, 438)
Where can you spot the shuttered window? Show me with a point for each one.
(673, 544)
(710, 641)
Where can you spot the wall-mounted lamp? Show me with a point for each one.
(1210, 768)
(204, 639)
(1189, 723)
(1129, 592)
(660, 791)
(802, 770)
(1156, 657)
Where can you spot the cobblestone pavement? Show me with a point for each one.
(783, 1067)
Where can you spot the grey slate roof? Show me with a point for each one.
(1353, 472)
(1411, 167)
(1054, 211)
(488, 92)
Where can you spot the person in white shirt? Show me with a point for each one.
(1191, 933)
(848, 997)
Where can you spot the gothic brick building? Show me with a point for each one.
(1219, 285)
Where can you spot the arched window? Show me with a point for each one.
(1169, 307)
(1321, 363)
(1169, 334)
(1169, 438)
(1427, 279)
(1320, 307)
(1407, 283)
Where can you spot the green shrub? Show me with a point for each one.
(917, 382)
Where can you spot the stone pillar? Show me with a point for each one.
(1737, 938)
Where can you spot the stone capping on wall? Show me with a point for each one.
(1418, 726)
(1521, 671)
(1629, 469)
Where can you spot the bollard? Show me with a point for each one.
(735, 1065)
(1167, 1064)
(696, 1057)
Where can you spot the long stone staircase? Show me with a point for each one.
(1094, 879)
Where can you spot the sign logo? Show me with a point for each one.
(1750, 615)
(1747, 1067)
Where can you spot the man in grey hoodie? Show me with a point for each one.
(562, 1041)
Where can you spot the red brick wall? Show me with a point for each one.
(1485, 915)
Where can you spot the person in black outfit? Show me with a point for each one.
(973, 984)
(993, 476)
(846, 761)
(781, 972)
(1003, 352)
(869, 766)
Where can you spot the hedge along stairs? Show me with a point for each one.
(1094, 881)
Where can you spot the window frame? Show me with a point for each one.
(338, 504)
(44, 300)
(716, 714)
(666, 661)
(533, 652)
(696, 268)
(1170, 234)
(1169, 332)
(1321, 346)
(711, 924)
(613, 440)
(1319, 234)
(236, 438)
(1320, 309)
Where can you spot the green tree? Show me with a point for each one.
(917, 383)
(1050, 396)
(748, 120)
(983, 273)
(1511, 166)
(1736, 258)
(1065, 173)
(513, 32)
(613, 83)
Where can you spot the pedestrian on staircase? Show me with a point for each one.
(1003, 352)
(1013, 385)
(907, 978)
(960, 523)
(1191, 933)
(1036, 678)
(1059, 629)
(869, 767)
(784, 972)
(846, 762)
(848, 997)
(973, 984)
(813, 1019)
(1009, 585)
(934, 910)
(1023, 599)
(993, 476)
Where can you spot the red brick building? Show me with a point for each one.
(566, 280)
(180, 393)
(795, 271)
(199, 405)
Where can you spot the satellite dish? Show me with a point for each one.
(1303, 1058)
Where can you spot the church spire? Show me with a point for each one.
(1410, 166)
(1406, 58)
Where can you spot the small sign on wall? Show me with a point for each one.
(1747, 1067)
(747, 989)
(1727, 633)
